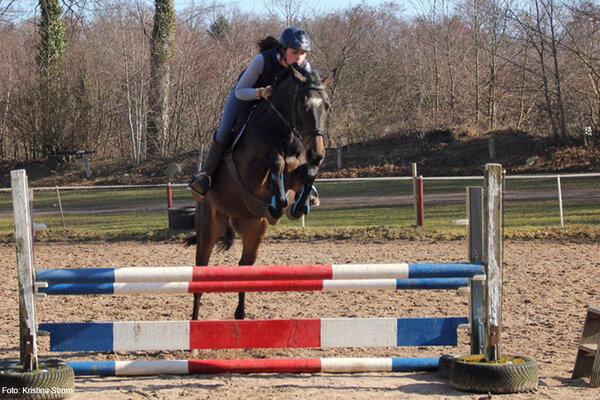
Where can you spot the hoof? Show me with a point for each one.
(300, 209)
(314, 201)
(239, 314)
(290, 214)
(271, 220)
(275, 212)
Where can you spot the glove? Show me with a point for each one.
(265, 92)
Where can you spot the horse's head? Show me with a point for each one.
(303, 96)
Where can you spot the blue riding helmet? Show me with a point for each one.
(295, 38)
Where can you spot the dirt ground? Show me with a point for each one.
(547, 288)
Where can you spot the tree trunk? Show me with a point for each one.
(477, 34)
(50, 55)
(163, 37)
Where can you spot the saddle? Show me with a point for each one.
(239, 126)
(256, 205)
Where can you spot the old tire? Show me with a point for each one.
(181, 217)
(512, 374)
(444, 364)
(53, 380)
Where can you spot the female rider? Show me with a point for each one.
(253, 84)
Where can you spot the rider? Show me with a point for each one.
(253, 84)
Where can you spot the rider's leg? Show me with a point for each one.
(201, 183)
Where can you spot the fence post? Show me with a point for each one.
(169, 196)
(339, 156)
(62, 214)
(24, 241)
(421, 203)
(415, 197)
(560, 204)
(477, 283)
(492, 203)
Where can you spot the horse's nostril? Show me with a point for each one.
(315, 158)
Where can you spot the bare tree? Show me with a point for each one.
(431, 15)
(583, 31)
(5, 7)
(539, 24)
(495, 20)
(289, 10)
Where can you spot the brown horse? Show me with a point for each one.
(276, 157)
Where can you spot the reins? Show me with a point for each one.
(293, 124)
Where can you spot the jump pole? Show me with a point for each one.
(251, 334)
(253, 366)
(261, 272)
(253, 286)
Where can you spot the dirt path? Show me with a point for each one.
(547, 288)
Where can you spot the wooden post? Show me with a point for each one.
(475, 217)
(420, 202)
(24, 242)
(477, 283)
(492, 202)
(339, 156)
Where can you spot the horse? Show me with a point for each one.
(271, 167)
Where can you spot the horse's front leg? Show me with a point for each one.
(252, 231)
(279, 201)
(210, 227)
(301, 205)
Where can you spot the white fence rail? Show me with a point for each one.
(559, 178)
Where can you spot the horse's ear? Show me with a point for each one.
(297, 74)
(328, 80)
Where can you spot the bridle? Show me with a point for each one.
(292, 124)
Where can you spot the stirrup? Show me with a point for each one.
(199, 196)
(195, 194)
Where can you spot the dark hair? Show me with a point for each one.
(267, 43)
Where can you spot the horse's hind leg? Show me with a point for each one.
(252, 232)
(210, 227)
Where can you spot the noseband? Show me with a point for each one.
(293, 124)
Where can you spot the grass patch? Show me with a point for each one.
(140, 214)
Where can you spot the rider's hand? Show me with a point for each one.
(265, 92)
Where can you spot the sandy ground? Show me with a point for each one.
(547, 288)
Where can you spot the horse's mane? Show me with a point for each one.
(312, 76)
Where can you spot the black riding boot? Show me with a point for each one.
(201, 183)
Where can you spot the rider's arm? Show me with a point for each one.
(244, 90)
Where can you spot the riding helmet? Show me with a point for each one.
(295, 38)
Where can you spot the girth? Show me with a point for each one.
(255, 205)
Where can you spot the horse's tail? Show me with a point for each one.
(227, 239)
(225, 242)
(190, 241)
